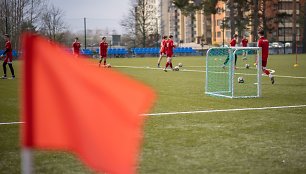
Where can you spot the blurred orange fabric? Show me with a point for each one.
(70, 104)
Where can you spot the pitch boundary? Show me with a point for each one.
(202, 71)
(225, 110)
(203, 111)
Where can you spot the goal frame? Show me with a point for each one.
(231, 72)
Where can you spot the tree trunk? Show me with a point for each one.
(304, 33)
(232, 17)
(255, 20)
(294, 27)
(214, 28)
(144, 20)
(264, 20)
(240, 21)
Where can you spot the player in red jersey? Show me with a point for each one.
(232, 44)
(103, 51)
(264, 44)
(8, 58)
(76, 47)
(163, 50)
(170, 46)
(244, 43)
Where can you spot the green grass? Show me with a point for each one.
(258, 141)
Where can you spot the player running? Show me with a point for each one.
(163, 50)
(232, 44)
(9, 57)
(76, 45)
(244, 43)
(264, 44)
(103, 51)
(170, 46)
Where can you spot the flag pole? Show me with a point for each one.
(26, 161)
(296, 57)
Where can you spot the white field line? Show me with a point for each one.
(225, 110)
(202, 71)
(8, 123)
(205, 111)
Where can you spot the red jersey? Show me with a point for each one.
(8, 52)
(170, 46)
(233, 42)
(103, 49)
(264, 44)
(76, 47)
(8, 47)
(163, 46)
(244, 42)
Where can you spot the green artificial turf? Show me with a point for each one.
(250, 141)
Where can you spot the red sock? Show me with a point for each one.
(171, 65)
(266, 72)
(167, 64)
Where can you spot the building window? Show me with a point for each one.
(287, 5)
(219, 10)
(288, 31)
(208, 22)
(227, 13)
(219, 22)
(228, 34)
(274, 33)
(219, 34)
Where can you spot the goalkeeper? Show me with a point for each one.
(232, 44)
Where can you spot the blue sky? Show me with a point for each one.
(100, 14)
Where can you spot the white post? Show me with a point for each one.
(206, 83)
(259, 71)
(233, 53)
(26, 161)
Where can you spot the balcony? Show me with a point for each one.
(287, 24)
(287, 38)
(289, 11)
(288, 0)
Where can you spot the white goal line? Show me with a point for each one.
(225, 110)
(204, 111)
(203, 71)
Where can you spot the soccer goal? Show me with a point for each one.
(225, 79)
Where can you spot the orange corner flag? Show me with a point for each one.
(69, 104)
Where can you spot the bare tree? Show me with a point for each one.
(52, 24)
(140, 22)
(13, 14)
(15, 18)
(32, 13)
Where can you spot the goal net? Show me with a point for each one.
(224, 78)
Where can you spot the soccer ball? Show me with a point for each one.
(176, 68)
(247, 66)
(108, 66)
(240, 80)
(180, 65)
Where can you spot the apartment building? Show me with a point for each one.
(199, 28)
(194, 28)
(220, 33)
(279, 17)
